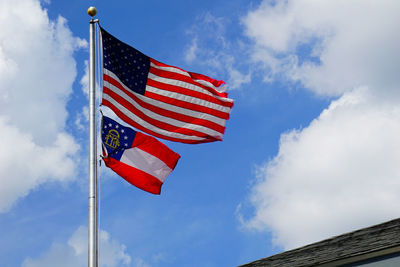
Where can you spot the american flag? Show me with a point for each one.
(159, 99)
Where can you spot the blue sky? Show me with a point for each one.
(311, 149)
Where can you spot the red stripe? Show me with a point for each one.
(159, 124)
(180, 77)
(184, 104)
(182, 90)
(156, 148)
(196, 76)
(128, 120)
(134, 176)
(216, 83)
(167, 113)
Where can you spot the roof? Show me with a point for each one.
(374, 241)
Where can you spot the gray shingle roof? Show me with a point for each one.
(376, 240)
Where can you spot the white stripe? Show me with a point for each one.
(185, 73)
(147, 125)
(188, 99)
(159, 117)
(146, 162)
(220, 89)
(187, 85)
(166, 106)
(170, 69)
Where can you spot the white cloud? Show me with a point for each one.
(82, 119)
(140, 263)
(237, 79)
(74, 252)
(353, 43)
(211, 49)
(84, 82)
(37, 70)
(341, 172)
(24, 165)
(190, 53)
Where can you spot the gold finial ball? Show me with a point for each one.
(92, 11)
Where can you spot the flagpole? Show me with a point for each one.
(92, 228)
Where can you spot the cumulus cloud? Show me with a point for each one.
(24, 164)
(73, 253)
(350, 43)
(37, 70)
(339, 173)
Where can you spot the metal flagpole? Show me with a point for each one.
(92, 229)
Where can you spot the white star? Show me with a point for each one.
(110, 124)
(125, 137)
(116, 126)
(122, 130)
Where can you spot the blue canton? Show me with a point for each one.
(128, 64)
(116, 138)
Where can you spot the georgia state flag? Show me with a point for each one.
(140, 159)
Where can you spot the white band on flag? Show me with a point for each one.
(146, 162)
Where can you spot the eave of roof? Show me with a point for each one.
(377, 240)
